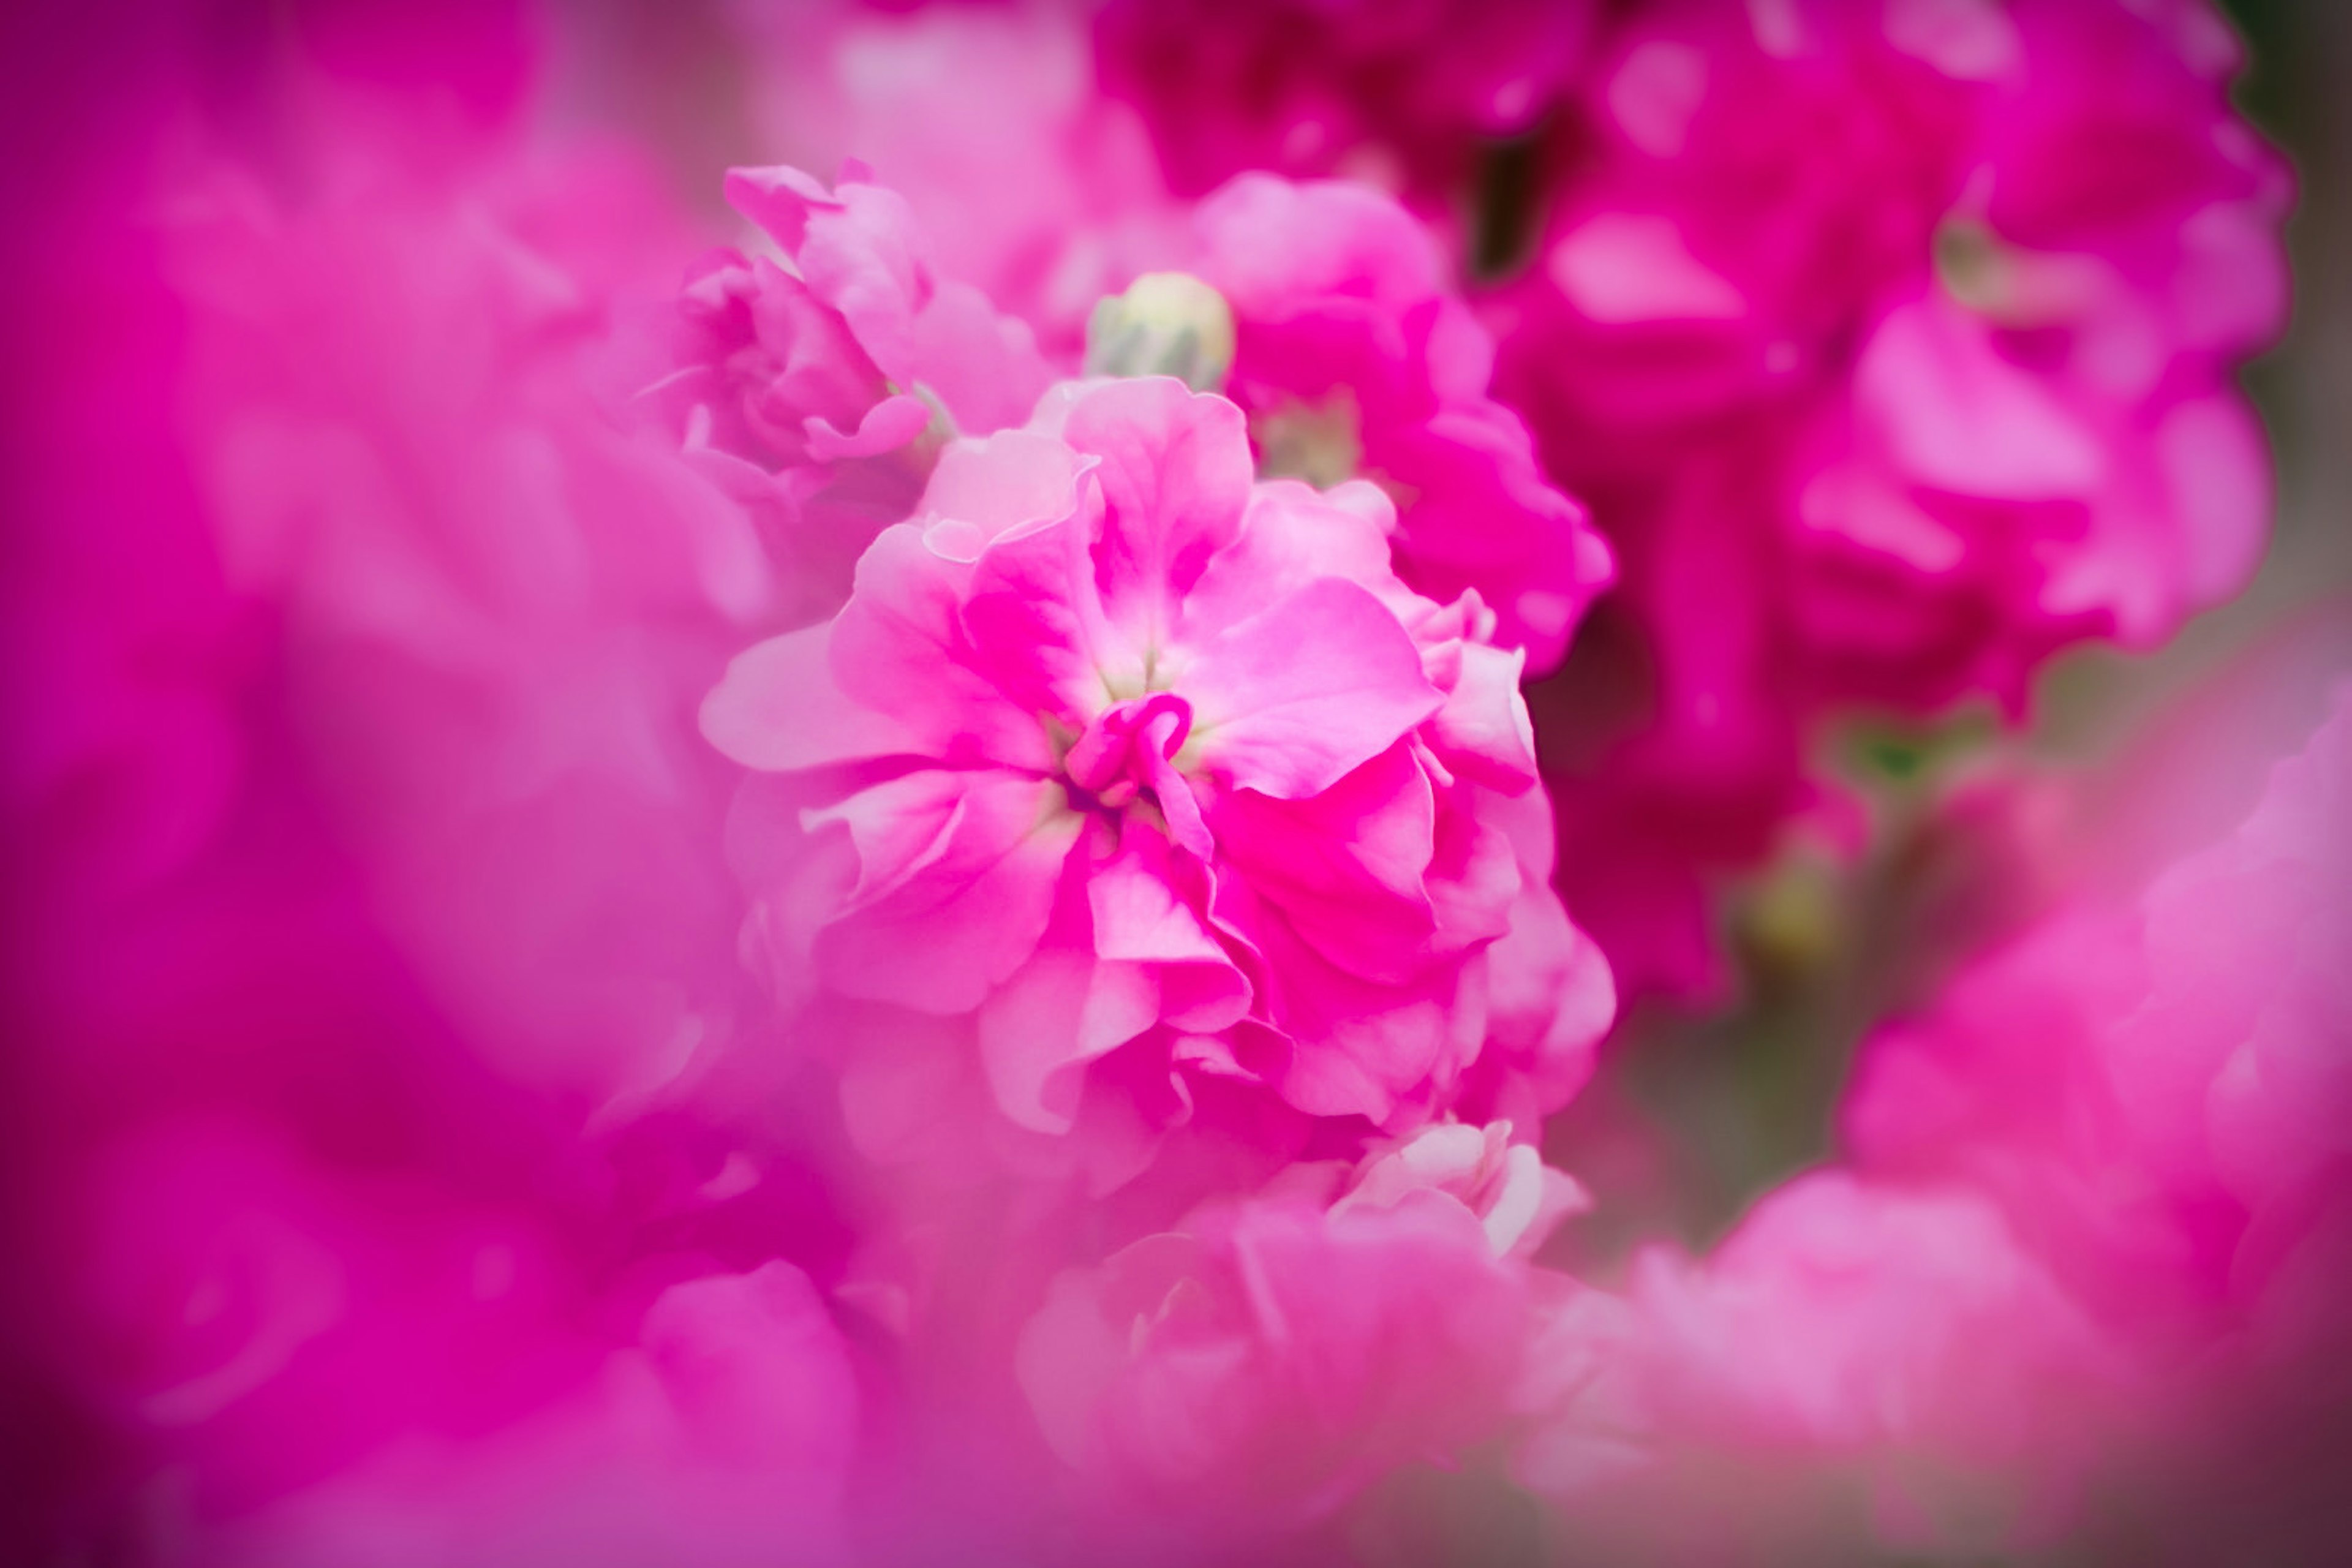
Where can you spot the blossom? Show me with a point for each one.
(1272, 1354)
(1119, 744)
(2155, 1088)
(1893, 428)
(1353, 357)
(2092, 1202)
(1900, 1335)
(807, 386)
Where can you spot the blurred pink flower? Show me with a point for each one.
(499, 601)
(1846, 1333)
(1273, 1354)
(723, 1436)
(2095, 1203)
(1891, 427)
(2157, 1092)
(941, 100)
(814, 389)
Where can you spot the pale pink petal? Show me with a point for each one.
(885, 428)
(778, 709)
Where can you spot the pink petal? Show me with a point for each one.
(885, 428)
(1034, 617)
(1063, 1009)
(1346, 866)
(1293, 535)
(778, 709)
(948, 912)
(1482, 731)
(1175, 477)
(1289, 703)
(899, 648)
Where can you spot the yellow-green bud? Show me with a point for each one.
(1167, 323)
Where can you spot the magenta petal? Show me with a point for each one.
(1959, 417)
(1060, 1011)
(1347, 866)
(1034, 617)
(1289, 703)
(1138, 913)
(1175, 475)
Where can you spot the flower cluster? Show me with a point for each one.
(1893, 428)
(938, 866)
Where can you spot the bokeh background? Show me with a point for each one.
(1695, 1113)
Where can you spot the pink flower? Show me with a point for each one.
(2158, 1092)
(1893, 428)
(2096, 1213)
(1843, 1315)
(1273, 1354)
(1846, 1333)
(1353, 357)
(807, 388)
(1112, 744)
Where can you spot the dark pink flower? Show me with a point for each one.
(1893, 426)
(1403, 94)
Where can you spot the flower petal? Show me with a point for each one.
(1289, 703)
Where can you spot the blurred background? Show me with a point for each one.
(1695, 1110)
(1743, 1097)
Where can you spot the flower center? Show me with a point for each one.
(1126, 749)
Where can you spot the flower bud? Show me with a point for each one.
(1167, 323)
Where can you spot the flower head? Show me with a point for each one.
(1123, 744)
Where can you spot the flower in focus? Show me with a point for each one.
(1114, 743)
